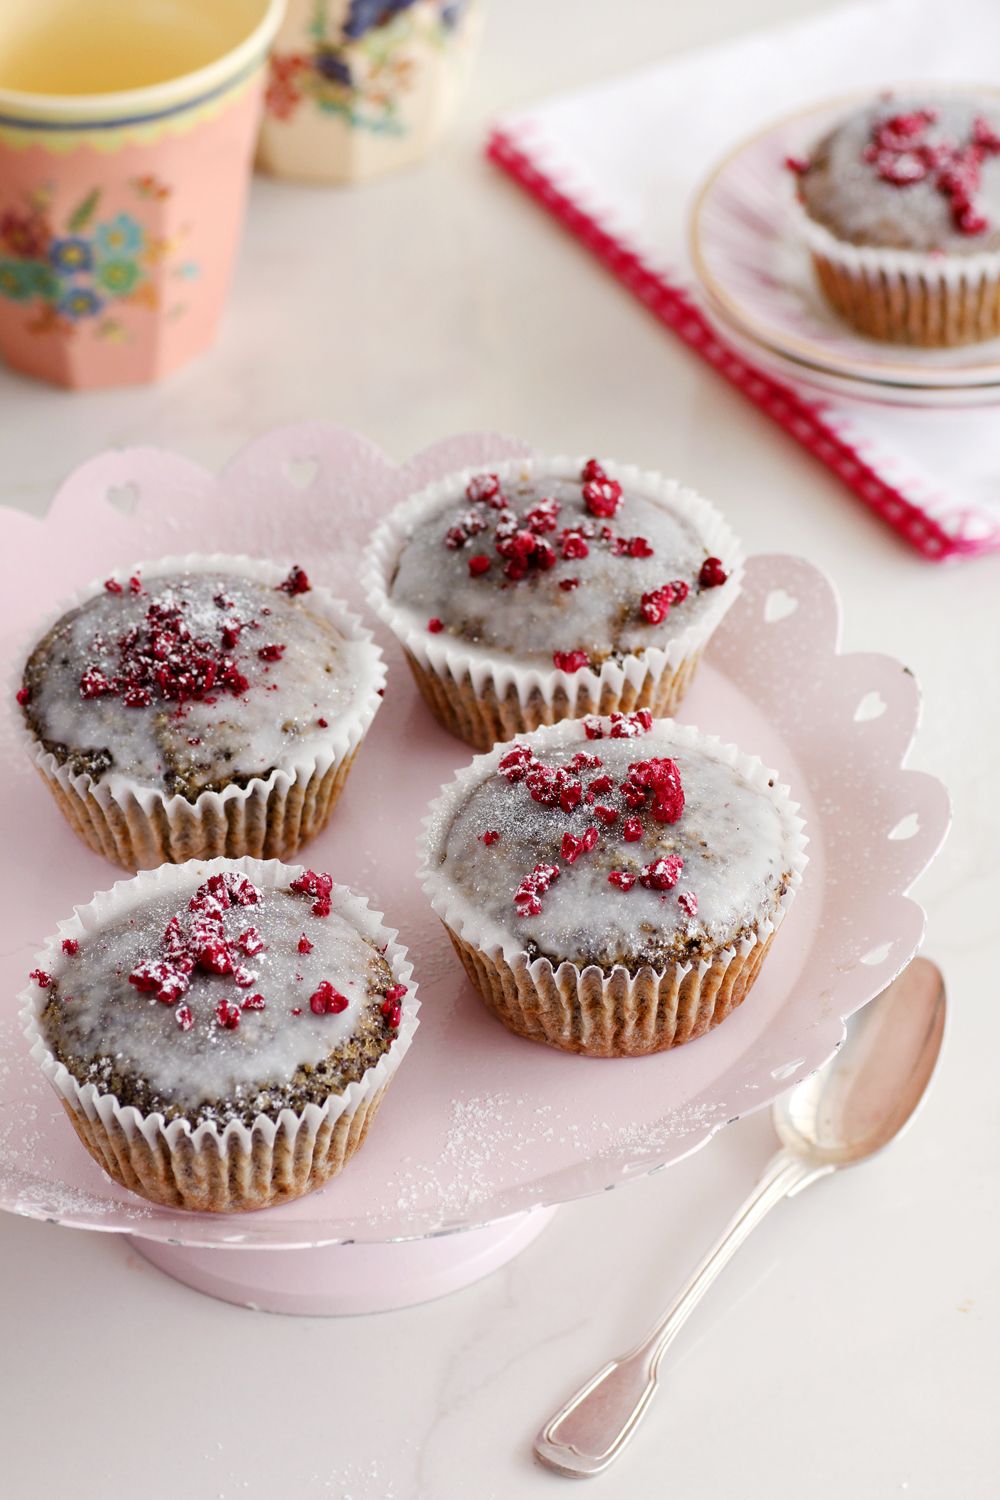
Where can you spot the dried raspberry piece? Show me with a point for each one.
(527, 897)
(112, 585)
(297, 582)
(637, 546)
(434, 625)
(568, 584)
(688, 902)
(712, 573)
(40, 977)
(185, 1019)
(572, 847)
(601, 784)
(70, 946)
(584, 761)
(623, 879)
(663, 874)
(607, 815)
(632, 830)
(227, 1015)
(243, 976)
(797, 164)
(309, 883)
(516, 763)
(212, 953)
(570, 661)
(396, 992)
(543, 515)
(326, 1001)
(602, 497)
(253, 1002)
(157, 977)
(659, 780)
(304, 945)
(572, 545)
(94, 684)
(393, 1012)
(23, 695)
(655, 605)
(543, 557)
(591, 471)
(479, 564)
(271, 653)
(242, 891)
(485, 489)
(322, 724)
(251, 941)
(570, 795)
(491, 836)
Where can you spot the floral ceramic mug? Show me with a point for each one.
(126, 137)
(357, 88)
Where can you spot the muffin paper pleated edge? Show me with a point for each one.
(905, 296)
(139, 826)
(483, 697)
(207, 1168)
(603, 1013)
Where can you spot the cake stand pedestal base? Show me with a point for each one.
(354, 1278)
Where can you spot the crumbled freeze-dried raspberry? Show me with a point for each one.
(623, 879)
(688, 902)
(491, 836)
(271, 653)
(227, 1015)
(40, 977)
(602, 497)
(304, 945)
(542, 516)
(485, 489)
(632, 830)
(570, 661)
(663, 873)
(712, 574)
(572, 847)
(606, 815)
(185, 1019)
(396, 991)
(656, 785)
(319, 886)
(243, 976)
(327, 1001)
(297, 582)
(251, 941)
(479, 564)
(434, 625)
(527, 897)
(572, 546)
(113, 586)
(516, 763)
(568, 584)
(253, 1002)
(591, 471)
(70, 946)
(23, 695)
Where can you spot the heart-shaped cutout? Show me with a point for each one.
(871, 706)
(124, 497)
(778, 606)
(301, 471)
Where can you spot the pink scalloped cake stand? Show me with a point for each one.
(482, 1133)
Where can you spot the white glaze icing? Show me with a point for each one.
(275, 720)
(735, 842)
(845, 193)
(533, 617)
(108, 1017)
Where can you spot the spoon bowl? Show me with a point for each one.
(870, 1089)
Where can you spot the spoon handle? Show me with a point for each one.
(591, 1429)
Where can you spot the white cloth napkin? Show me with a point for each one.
(630, 152)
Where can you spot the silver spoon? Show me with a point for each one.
(854, 1106)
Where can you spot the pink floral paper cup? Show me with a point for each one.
(358, 88)
(124, 164)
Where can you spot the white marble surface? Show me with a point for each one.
(852, 1349)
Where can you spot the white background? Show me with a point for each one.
(851, 1351)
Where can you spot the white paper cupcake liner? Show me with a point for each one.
(603, 1013)
(140, 826)
(905, 296)
(235, 1168)
(482, 696)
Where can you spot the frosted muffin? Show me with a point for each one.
(551, 588)
(199, 707)
(220, 1035)
(900, 207)
(612, 887)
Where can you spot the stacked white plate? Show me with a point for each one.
(757, 277)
